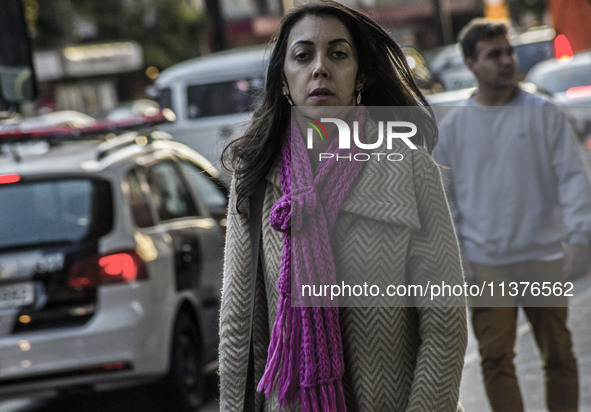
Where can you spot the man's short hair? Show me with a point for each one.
(480, 29)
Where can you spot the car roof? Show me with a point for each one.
(229, 64)
(533, 35)
(40, 157)
(550, 65)
(451, 97)
(83, 157)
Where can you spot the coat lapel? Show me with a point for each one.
(384, 190)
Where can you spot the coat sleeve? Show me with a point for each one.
(434, 260)
(235, 310)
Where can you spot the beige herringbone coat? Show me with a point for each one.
(394, 224)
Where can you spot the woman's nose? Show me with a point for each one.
(320, 69)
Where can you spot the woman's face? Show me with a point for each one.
(321, 63)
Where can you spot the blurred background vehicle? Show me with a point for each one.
(448, 68)
(212, 97)
(57, 119)
(533, 46)
(568, 82)
(139, 108)
(110, 262)
(111, 248)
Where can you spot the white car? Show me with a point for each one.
(110, 267)
(213, 97)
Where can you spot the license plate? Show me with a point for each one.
(16, 295)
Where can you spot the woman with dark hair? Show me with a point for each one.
(328, 222)
(388, 81)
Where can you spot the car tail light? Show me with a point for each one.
(562, 48)
(9, 178)
(579, 91)
(121, 267)
(109, 367)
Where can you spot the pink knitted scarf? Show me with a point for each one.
(305, 356)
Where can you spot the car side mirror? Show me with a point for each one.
(17, 77)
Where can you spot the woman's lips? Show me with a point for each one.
(321, 94)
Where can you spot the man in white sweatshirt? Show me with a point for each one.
(521, 202)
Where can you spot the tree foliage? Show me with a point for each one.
(169, 31)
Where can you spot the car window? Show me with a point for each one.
(165, 98)
(216, 99)
(531, 53)
(140, 207)
(210, 193)
(169, 193)
(55, 211)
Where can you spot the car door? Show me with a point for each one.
(211, 192)
(196, 240)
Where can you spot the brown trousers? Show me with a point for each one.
(495, 329)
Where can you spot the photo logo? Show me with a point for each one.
(316, 125)
(388, 130)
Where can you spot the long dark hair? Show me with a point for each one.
(387, 81)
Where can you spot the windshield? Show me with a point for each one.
(217, 99)
(55, 211)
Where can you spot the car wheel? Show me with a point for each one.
(183, 386)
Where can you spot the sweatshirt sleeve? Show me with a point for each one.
(235, 310)
(434, 258)
(574, 193)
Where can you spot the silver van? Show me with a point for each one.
(213, 97)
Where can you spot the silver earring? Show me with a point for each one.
(288, 99)
(359, 97)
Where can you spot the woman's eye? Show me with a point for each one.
(339, 54)
(301, 56)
